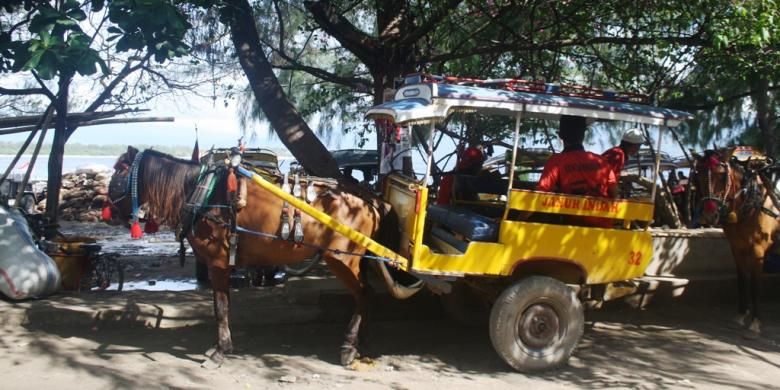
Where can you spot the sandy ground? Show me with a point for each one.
(288, 337)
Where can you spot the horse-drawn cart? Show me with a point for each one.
(531, 272)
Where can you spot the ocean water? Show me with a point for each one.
(41, 171)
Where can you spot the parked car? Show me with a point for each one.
(362, 161)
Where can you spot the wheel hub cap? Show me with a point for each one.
(539, 326)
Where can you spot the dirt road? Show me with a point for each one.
(144, 339)
(288, 337)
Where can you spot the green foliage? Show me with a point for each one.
(50, 38)
(155, 25)
(56, 44)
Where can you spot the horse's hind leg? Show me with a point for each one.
(220, 285)
(349, 274)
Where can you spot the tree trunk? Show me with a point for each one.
(764, 117)
(54, 179)
(284, 118)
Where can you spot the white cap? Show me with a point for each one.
(634, 136)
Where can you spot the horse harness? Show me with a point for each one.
(127, 187)
(749, 187)
(199, 203)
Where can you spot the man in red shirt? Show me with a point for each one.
(629, 145)
(469, 163)
(578, 172)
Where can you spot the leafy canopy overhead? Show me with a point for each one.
(49, 37)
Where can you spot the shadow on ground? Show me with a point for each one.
(660, 347)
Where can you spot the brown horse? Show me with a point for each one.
(737, 194)
(163, 183)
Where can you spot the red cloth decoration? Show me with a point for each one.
(106, 212)
(151, 226)
(712, 162)
(232, 182)
(135, 231)
(710, 206)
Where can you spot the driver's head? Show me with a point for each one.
(572, 130)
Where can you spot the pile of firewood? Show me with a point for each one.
(82, 195)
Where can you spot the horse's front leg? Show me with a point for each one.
(754, 329)
(742, 318)
(220, 285)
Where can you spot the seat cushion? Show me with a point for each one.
(449, 239)
(473, 226)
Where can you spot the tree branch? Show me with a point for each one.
(126, 71)
(23, 91)
(426, 26)
(557, 44)
(709, 106)
(365, 47)
(358, 84)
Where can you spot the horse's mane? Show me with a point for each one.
(166, 182)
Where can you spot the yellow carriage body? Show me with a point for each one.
(590, 255)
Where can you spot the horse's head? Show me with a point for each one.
(119, 197)
(712, 176)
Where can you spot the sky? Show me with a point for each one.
(216, 123)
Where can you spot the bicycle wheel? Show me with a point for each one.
(109, 274)
(299, 269)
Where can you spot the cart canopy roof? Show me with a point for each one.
(427, 102)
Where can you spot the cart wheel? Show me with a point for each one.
(300, 269)
(108, 274)
(536, 323)
(466, 306)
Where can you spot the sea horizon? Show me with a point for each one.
(70, 163)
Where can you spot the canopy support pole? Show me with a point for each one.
(518, 117)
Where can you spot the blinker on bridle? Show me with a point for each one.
(132, 183)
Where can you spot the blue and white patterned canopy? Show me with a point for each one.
(433, 102)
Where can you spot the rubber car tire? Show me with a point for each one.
(555, 311)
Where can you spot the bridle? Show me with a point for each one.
(128, 187)
(705, 173)
(749, 189)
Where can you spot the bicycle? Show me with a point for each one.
(103, 271)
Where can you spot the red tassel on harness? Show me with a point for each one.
(106, 212)
(135, 231)
(712, 162)
(151, 226)
(232, 182)
(710, 207)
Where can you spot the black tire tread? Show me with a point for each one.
(514, 300)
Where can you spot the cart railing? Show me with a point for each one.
(589, 206)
